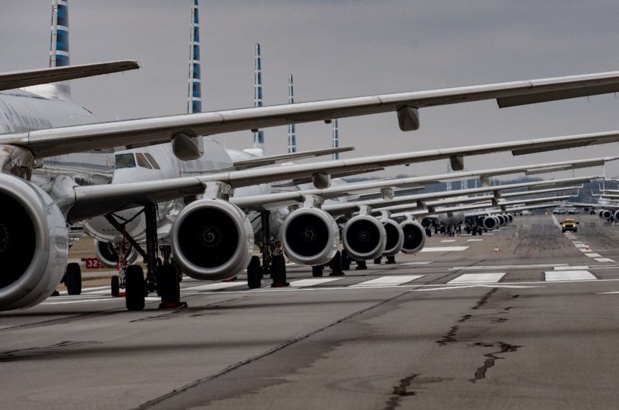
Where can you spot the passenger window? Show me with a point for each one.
(125, 161)
(142, 161)
(152, 160)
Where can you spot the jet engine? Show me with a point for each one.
(364, 238)
(395, 237)
(212, 239)
(310, 236)
(606, 214)
(490, 223)
(414, 236)
(108, 254)
(34, 244)
(616, 215)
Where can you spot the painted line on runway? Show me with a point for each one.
(569, 275)
(448, 240)
(508, 267)
(605, 260)
(474, 240)
(416, 263)
(216, 286)
(472, 278)
(387, 281)
(445, 249)
(571, 267)
(311, 282)
(66, 302)
(593, 255)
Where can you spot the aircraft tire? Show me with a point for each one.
(254, 274)
(169, 287)
(115, 286)
(73, 279)
(317, 271)
(135, 288)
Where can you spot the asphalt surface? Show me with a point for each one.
(525, 317)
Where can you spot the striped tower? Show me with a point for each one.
(259, 134)
(335, 139)
(59, 41)
(194, 101)
(292, 135)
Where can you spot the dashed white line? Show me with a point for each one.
(569, 275)
(469, 278)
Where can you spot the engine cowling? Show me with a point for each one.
(108, 254)
(310, 236)
(395, 237)
(414, 236)
(490, 223)
(34, 244)
(606, 214)
(364, 238)
(616, 215)
(212, 240)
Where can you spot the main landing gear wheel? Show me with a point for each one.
(115, 286)
(135, 288)
(73, 279)
(254, 274)
(279, 271)
(169, 287)
(317, 271)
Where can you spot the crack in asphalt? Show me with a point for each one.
(399, 391)
(491, 358)
(25, 354)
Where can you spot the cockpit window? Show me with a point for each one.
(142, 161)
(152, 160)
(125, 161)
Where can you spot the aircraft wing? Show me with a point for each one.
(19, 79)
(270, 201)
(96, 200)
(140, 132)
(484, 206)
(273, 159)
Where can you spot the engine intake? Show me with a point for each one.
(414, 236)
(310, 236)
(364, 237)
(108, 253)
(212, 239)
(395, 237)
(34, 244)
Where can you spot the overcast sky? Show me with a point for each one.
(341, 49)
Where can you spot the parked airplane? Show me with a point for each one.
(50, 177)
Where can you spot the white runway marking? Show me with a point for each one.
(569, 275)
(502, 267)
(311, 282)
(571, 267)
(470, 278)
(448, 240)
(386, 281)
(585, 250)
(416, 263)
(475, 240)
(66, 302)
(605, 260)
(445, 249)
(593, 255)
(216, 286)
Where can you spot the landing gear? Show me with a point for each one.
(361, 265)
(115, 286)
(278, 267)
(378, 260)
(135, 292)
(390, 260)
(317, 271)
(254, 273)
(136, 284)
(73, 279)
(336, 265)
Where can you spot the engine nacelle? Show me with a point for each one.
(606, 214)
(490, 223)
(34, 244)
(414, 236)
(616, 215)
(364, 238)
(212, 239)
(310, 236)
(108, 254)
(395, 237)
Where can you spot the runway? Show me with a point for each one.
(524, 317)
